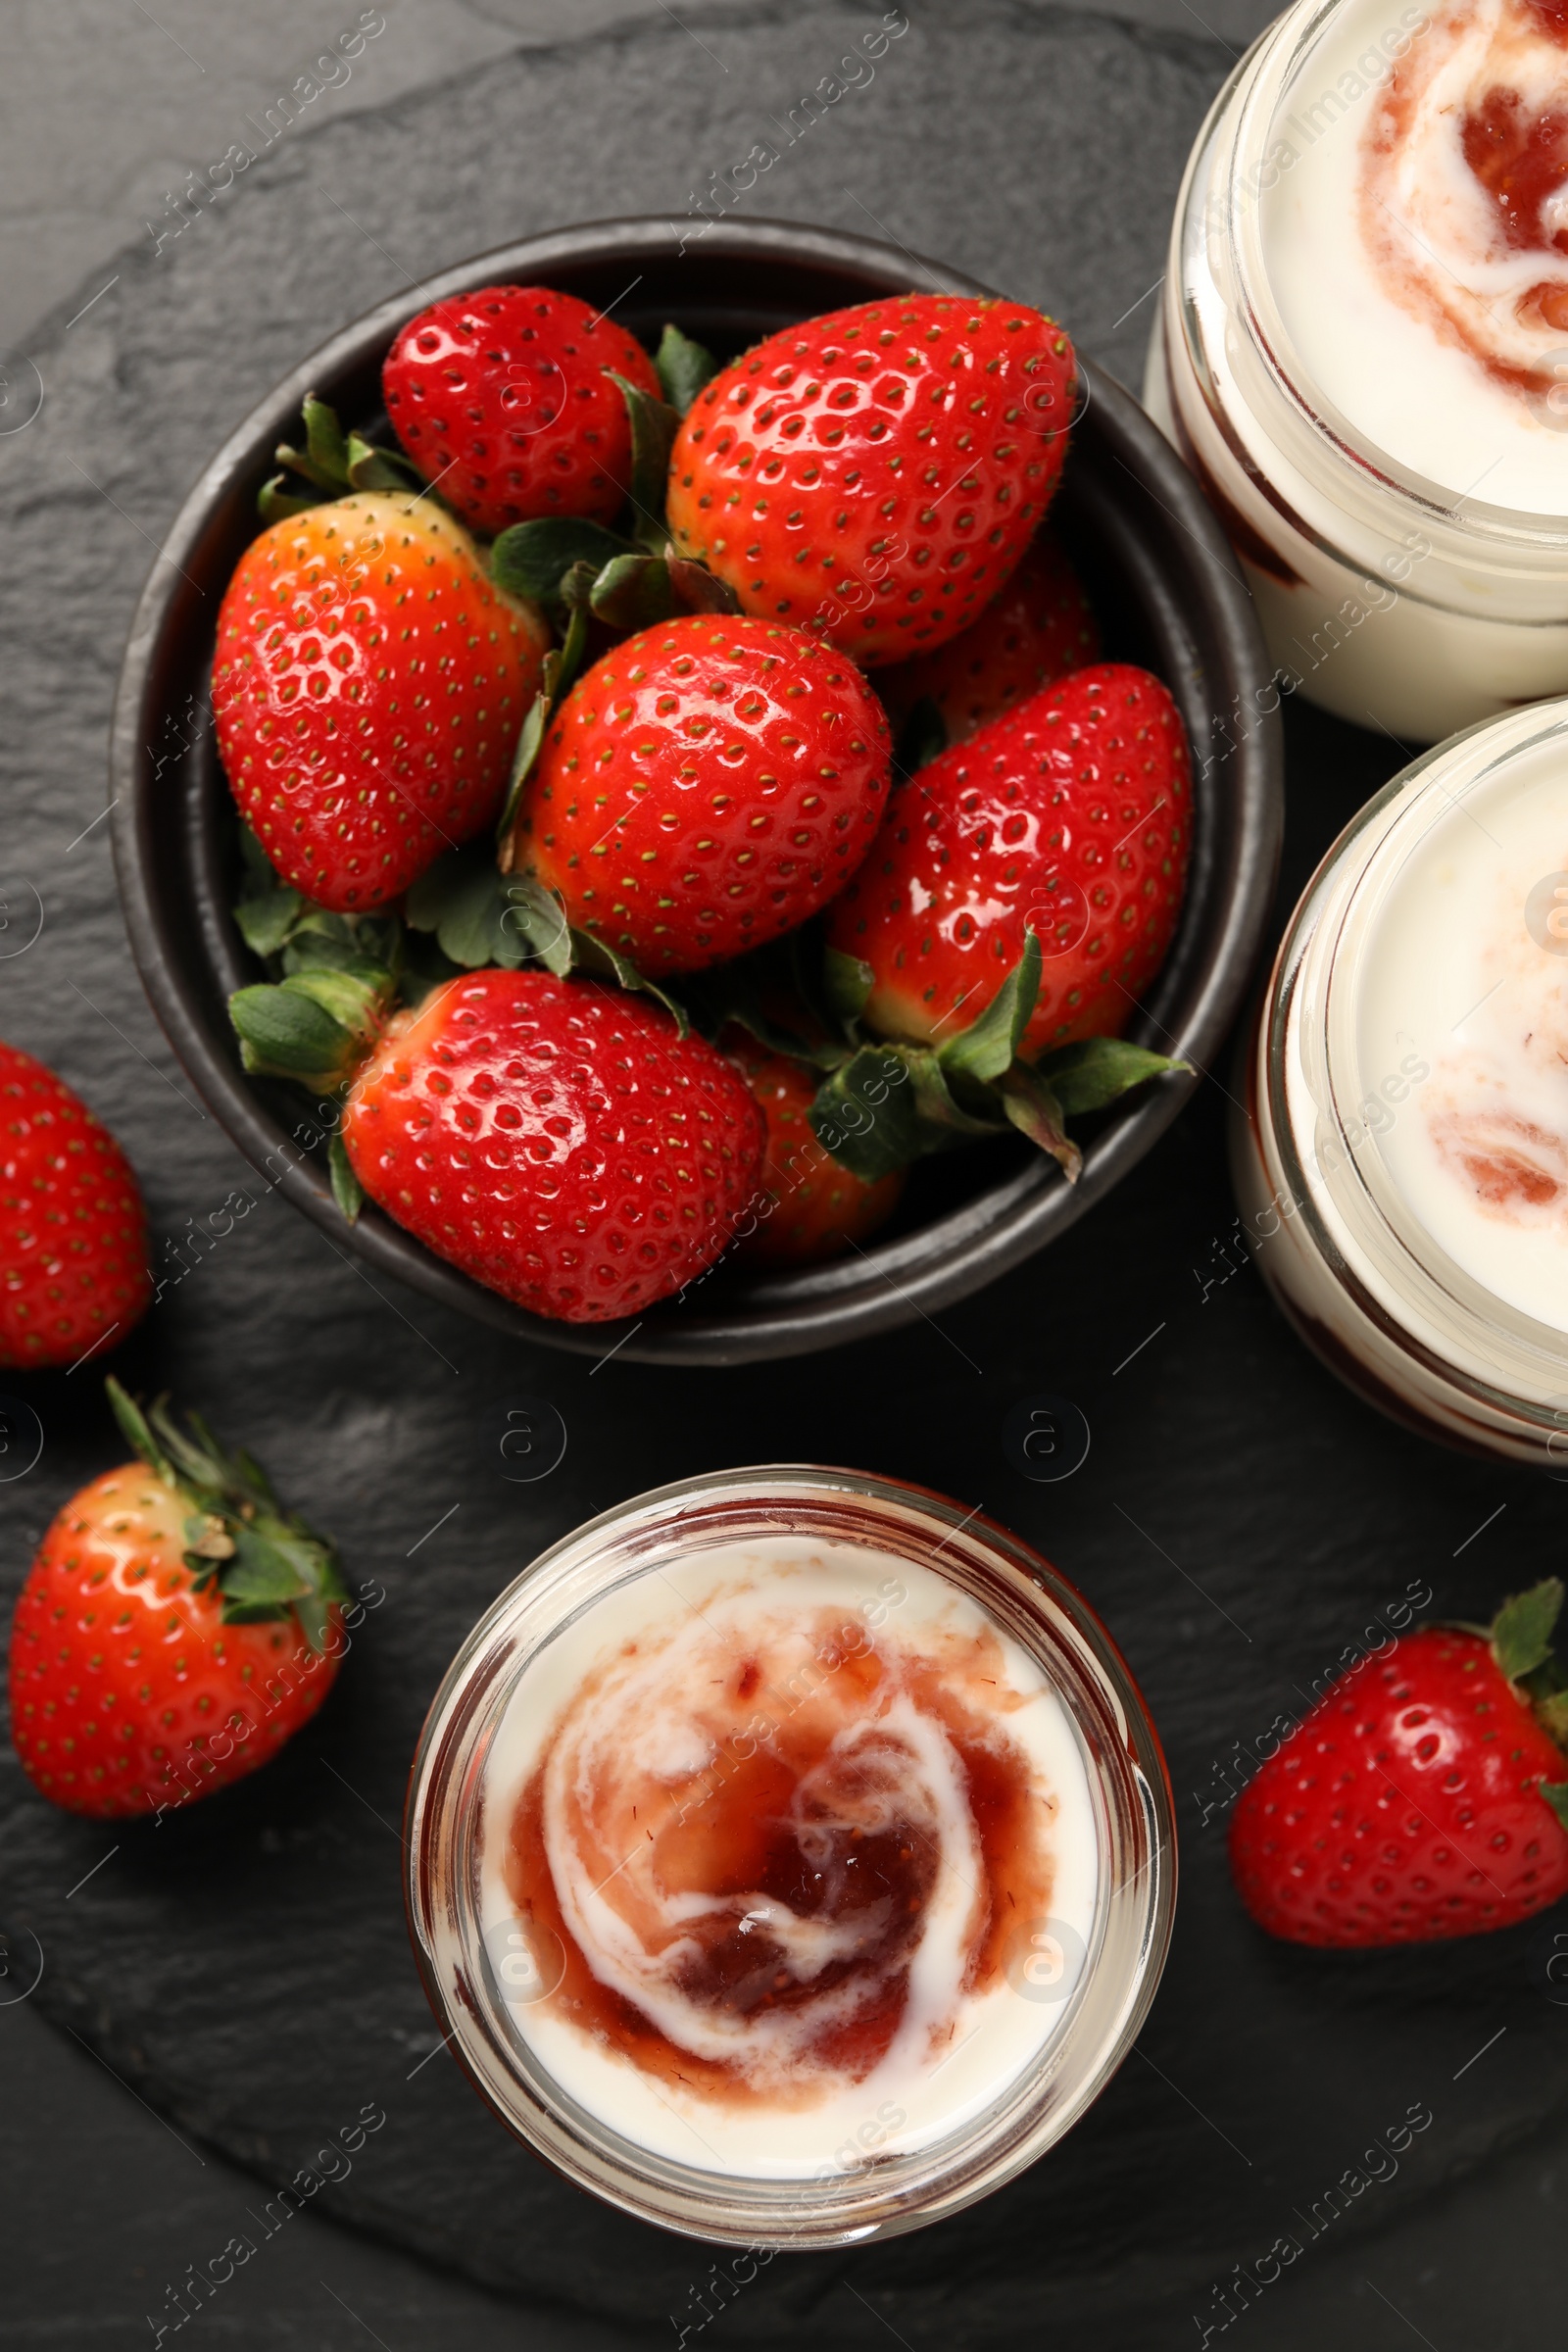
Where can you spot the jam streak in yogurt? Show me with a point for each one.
(781, 1852)
(1464, 186)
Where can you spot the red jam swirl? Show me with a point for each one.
(1464, 156)
(767, 1861)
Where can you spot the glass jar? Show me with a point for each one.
(1399, 1159)
(1088, 1985)
(1383, 596)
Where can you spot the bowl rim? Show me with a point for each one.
(899, 1281)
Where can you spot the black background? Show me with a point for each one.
(242, 1971)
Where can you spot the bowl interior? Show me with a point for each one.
(1167, 595)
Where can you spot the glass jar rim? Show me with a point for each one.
(1310, 1011)
(1280, 54)
(1130, 1796)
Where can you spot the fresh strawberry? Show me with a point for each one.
(811, 1208)
(557, 1140)
(1068, 816)
(877, 472)
(73, 1228)
(706, 786)
(1425, 1795)
(176, 1628)
(368, 689)
(503, 397)
(1039, 629)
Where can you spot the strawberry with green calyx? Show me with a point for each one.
(1424, 1796)
(557, 1140)
(176, 1628)
(509, 398)
(705, 787)
(1068, 819)
(367, 692)
(887, 1103)
(877, 474)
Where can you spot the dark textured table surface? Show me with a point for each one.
(224, 1992)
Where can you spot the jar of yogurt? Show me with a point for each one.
(1362, 351)
(1402, 1162)
(790, 1857)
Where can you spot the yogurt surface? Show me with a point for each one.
(1415, 237)
(797, 1854)
(1463, 969)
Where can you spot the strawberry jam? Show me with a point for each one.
(781, 1850)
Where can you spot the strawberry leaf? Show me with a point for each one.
(592, 956)
(653, 424)
(697, 589)
(332, 464)
(1095, 1070)
(482, 917)
(683, 367)
(1031, 1106)
(267, 1562)
(1555, 1793)
(1521, 1632)
(371, 468)
(985, 1051)
(276, 502)
(347, 1190)
(865, 1114)
(634, 592)
(531, 558)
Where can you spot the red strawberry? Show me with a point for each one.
(1422, 1797)
(1068, 816)
(73, 1228)
(557, 1140)
(368, 689)
(814, 1208)
(706, 786)
(877, 472)
(1039, 629)
(502, 398)
(175, 1629)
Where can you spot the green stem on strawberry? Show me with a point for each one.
(1521, 1639)
(332, 464)
(265, 1562)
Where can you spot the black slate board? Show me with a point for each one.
(1238, 1519)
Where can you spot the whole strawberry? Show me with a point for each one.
(1039, 629)
(369, 687)
(877, 472)
(1424, 1796)
(707, 785)
(73, 1228)
(1068, 816)
(503, 398)
(556, 1139)
(811, 1208)
(176, 1628)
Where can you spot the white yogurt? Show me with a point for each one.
(1459, 969)
(1391, 263)
(631, 1698)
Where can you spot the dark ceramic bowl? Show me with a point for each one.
(1167, 593)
